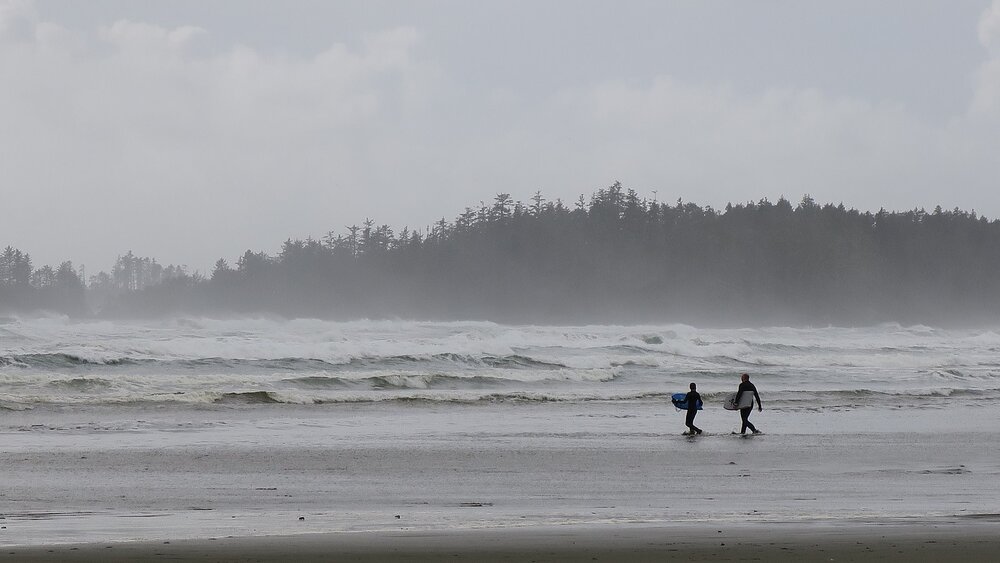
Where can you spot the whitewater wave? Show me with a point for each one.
(250, 398)
(253, 362)
(65, 361)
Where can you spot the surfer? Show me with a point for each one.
(746, 403)
(693, 400)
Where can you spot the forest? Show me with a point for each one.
(613, 258)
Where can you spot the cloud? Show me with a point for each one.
(707, 140)
(132, 36)
(17, 17)
(140, 138)
(989, 28)
(164, 141)
(986, 102)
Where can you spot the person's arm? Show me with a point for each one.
(757, 396)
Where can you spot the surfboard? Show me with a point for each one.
(730, 403)
(746, 401)
(678, 400)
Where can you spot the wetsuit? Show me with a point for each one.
(693, 399)
(746, 386)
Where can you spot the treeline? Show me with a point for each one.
(616, 257)
(24, 288)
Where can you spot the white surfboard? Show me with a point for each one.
(746, 401)
(730, 403)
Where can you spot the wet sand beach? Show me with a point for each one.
(261, 488)
(859, 542)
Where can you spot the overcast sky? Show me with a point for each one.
(194, 130)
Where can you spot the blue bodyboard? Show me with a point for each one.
(678, 400)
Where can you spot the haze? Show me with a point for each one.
(190, 130)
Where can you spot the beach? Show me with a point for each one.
(789, 542)
(889, 459)
(585, 491)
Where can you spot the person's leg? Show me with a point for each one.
(746, 420)
(690, 422)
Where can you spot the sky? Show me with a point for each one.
(193, 130)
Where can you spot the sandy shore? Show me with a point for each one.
(407, 483)
(943, 541)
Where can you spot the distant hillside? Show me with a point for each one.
(613, 258)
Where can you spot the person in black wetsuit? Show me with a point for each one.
(747, 387)
(693, 400)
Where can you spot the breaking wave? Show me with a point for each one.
(252, 362)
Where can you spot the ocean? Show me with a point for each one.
(194, 427)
